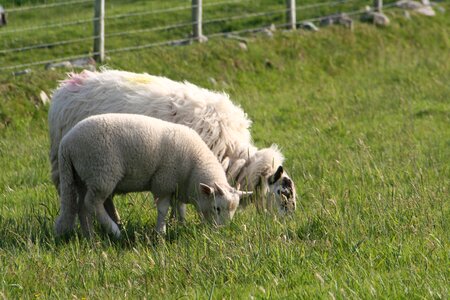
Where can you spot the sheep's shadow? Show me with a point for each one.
(34, 230)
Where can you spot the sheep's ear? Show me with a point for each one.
(206, 189)
(220, 189)
(276, 176)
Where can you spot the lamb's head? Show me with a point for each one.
(220, 202)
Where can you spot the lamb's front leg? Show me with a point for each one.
(163, 205)
(178, 210)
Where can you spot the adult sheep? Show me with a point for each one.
(222, 125)
(121, 153)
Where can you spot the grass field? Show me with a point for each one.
(363, 119)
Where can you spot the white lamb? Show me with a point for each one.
(121, 153)
(223, 126)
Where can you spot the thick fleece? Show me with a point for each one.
(222, 125)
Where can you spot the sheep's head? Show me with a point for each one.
(264, 173)
(282, 191)
(223, 200)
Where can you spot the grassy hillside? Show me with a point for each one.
(363, 120)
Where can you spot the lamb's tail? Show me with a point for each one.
(68, 195)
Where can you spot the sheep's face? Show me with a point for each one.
(222, 202)
(282, 192)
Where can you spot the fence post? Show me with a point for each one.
(291, 14)
(378, 5)
(99, 31)
(197, 20)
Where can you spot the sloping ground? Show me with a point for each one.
(363, 119)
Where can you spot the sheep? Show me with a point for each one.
(121, 153)
(222, 125)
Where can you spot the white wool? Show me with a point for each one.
(121, 153)
(222, 125)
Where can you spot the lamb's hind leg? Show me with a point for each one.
(92, 201)
(106, 221)
(111, 210)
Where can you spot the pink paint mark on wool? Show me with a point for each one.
(75, 81)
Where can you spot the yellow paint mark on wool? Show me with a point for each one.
(140, 79)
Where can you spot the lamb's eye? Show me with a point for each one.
(279, 192)
(217, 209)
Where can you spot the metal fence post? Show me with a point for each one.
(378, 5)
(99, 31)
(197, 19)
(291, 14)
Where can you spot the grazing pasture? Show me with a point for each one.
(363, 118)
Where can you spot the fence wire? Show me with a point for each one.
(163, 28)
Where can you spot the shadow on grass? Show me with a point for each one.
(32, 230)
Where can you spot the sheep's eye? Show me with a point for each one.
(279, 192)
(217, 210)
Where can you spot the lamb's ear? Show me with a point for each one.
(220, 189)
(276, 176)
(206, 189)
(244, 193)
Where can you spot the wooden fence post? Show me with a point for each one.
(99, 31)
(197, 19)
(378, 5)
(291, 14)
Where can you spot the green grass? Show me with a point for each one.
(363, 120)
(32, 18)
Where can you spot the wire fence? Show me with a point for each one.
(37, 35)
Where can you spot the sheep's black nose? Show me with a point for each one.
(287, 193)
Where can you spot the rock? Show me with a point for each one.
(376, 18)
(84, 63)
(408, 4)
(62, 64)
(267, 32)
(79, 63)
(426, 10)
(308, 26)
(423, 7)
(337, 19)
(272, 27)
(202, 39)
(23, 72)
(243, 46)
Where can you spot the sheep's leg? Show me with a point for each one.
(68, 210)
(163, 205)
(181, 209)
(106, 221)
(67, 213)
(111, 210)
(88, 210)
(178, 210)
